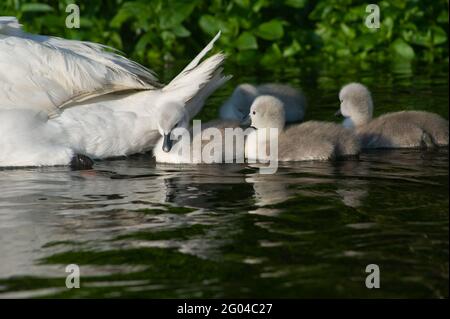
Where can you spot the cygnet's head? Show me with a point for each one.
(267, 112)
(356, 104)
(172, 115)
(241, 99)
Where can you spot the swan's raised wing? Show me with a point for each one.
(198, 80)
(49, 73)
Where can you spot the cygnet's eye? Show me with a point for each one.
(254, 112)
(177, 124)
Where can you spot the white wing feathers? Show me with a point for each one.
(47, 73)
(198, 58)
(195, 79)
(10, 26)
(96, 52)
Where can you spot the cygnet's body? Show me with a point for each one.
(405, 129)
(311, 140)
(215, 143)
(238, 105)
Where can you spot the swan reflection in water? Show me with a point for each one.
(305, 179)
(90, 210)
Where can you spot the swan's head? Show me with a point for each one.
(172, 115)
(356, 104)
(240, 101)
(267, 112)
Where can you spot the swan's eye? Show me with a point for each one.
(254, 112)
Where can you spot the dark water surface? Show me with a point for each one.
(140, 229)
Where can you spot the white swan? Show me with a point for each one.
(391, 130)
(310, 140)
(238, 105)
(60, 98)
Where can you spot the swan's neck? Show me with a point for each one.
(355, 121)
(348, 123)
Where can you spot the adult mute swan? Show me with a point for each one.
(65, 101)
(391, 130)
(311, 140)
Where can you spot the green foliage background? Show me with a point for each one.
(260, 32)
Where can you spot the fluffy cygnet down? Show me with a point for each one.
(405, 129)
(213, 147)
(311, 140)
(238, 105)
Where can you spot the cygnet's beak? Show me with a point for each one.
(338, 113)
(167, 143)
(246, 120)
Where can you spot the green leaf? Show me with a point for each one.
(343, 53)
(247, 57)
(209, 24)
(130, 10)
(243, 3)
(272, 55)
(259, 4)
(439, 35)
(142, 44)
(36, 7)
(232, 27)
(418, 38)
(402, 49)
(175, 12)
(387, 27)
(168, 37)
(295, 3)
(291, 50)
(181, 31)
(272, 30)
(349, 32)
(246, 41)
(115, 40)
(120, 17)
(86, 22)
(443, 17)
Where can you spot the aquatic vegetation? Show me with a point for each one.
(254, 32)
